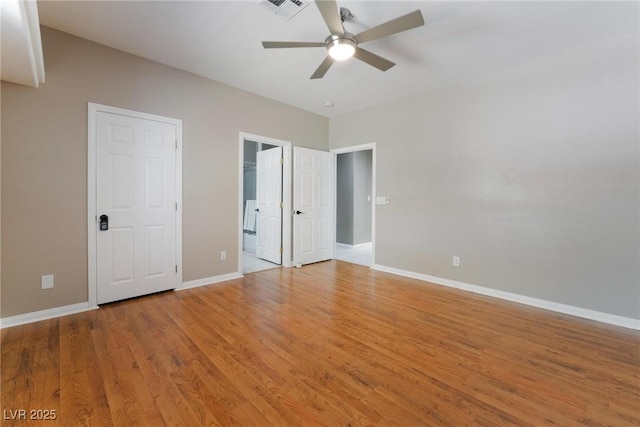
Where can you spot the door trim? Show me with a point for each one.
(92, 231)
(362, 147)
(287, 219)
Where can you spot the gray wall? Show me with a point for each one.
(344, 198)
(529, 175)
(250, 151)
(44, 163)
(249, 181)
(353, 210)
(362, 169)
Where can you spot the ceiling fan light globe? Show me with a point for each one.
(341, 49)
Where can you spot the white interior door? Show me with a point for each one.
(136, 190)
(269, 195)
(313, 228)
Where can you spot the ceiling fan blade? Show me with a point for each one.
(403, 23)
(372, 59)
(331, 15)
(278, 45)
(323, 68)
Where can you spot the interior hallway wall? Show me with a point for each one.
(353, 210)
(344, 198)
(362, 175)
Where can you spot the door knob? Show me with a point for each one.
(297, 212)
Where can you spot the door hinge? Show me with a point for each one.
(176, 206)
(176, 268)
(281, 205)
(176, 145)
(281, 250)
(282, 161)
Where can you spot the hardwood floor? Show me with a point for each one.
(333, 344)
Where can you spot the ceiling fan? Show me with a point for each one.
(342, 45)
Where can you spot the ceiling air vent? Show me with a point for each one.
(285, 8)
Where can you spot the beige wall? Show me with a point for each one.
(530, 176)
(44, 163)
(0, 202)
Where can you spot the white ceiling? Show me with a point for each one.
(221, 40)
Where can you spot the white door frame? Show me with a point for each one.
(353, 149)
(92, 229)
(286, 194)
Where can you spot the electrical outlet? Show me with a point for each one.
(223, 255)
(456, 261)
(46, 282)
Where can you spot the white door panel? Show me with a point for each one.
(269, 195)
(135, 173)
(312, 205)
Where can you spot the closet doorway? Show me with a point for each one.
(265, 183)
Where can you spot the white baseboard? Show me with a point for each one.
(359, 245)
(209, 281)
(36, 316)
(612, 319)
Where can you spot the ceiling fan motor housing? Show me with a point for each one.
(341, 47)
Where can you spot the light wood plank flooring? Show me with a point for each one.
(333, 344)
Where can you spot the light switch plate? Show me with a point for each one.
(47, 281)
